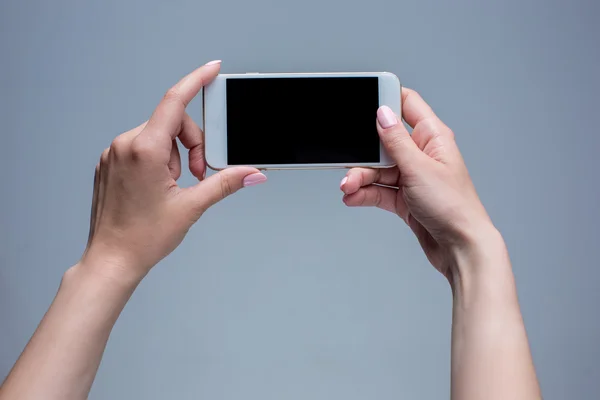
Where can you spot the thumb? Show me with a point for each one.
(220, 185)
(395, 138)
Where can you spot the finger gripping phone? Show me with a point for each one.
(297, 121)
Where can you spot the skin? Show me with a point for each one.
(432, 192)
(136, 192)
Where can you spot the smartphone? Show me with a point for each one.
(297, 121)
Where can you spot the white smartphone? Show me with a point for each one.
(297, 121)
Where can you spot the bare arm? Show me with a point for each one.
(490, 351)
(62, 357)
(432, 192)
(139, 215)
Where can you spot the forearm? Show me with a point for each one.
(490, 351)
(61, 359)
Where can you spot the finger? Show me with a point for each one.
(359, 177)
(429, 132)
(373, 196)
(192, 138)
(122, 143)
(414, 108)
(397, 141)
(218, 186)
(104, 157)
(175, 161)
(165, 122)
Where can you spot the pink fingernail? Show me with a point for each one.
(213, 62)
(343, 181)
(254, 179)
(386, 117)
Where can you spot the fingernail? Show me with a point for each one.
(254, 179)
(213, 62)
(343, 181)
(386, 117)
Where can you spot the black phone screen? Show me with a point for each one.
(302, 120)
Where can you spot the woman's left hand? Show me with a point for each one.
(139, 213)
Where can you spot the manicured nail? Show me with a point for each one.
(386, 117)
(213, 62)
(343, 181)
(254, 179)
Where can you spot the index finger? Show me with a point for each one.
(414, 108)
(168, 115)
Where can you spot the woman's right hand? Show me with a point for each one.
(435, 194)
(436, 198)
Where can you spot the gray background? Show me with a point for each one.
(281, 292)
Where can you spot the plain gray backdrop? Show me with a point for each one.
(281, 292)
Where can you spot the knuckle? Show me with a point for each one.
(377, 198)
(362, 178)
(104, 156)
(363, 198)
(172, 95)
(226, 188)
(196, 155)
(410, 91)
(376, 175)
(436, 127)
(396, 139)
(141, 149)
(119, 144)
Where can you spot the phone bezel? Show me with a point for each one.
(214, 101)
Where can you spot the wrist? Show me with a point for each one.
(478, 249)
(481, 266)
(111, 273)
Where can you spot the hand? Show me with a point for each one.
(434, 195)
(139, 213)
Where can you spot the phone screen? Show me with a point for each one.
(302, 120)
